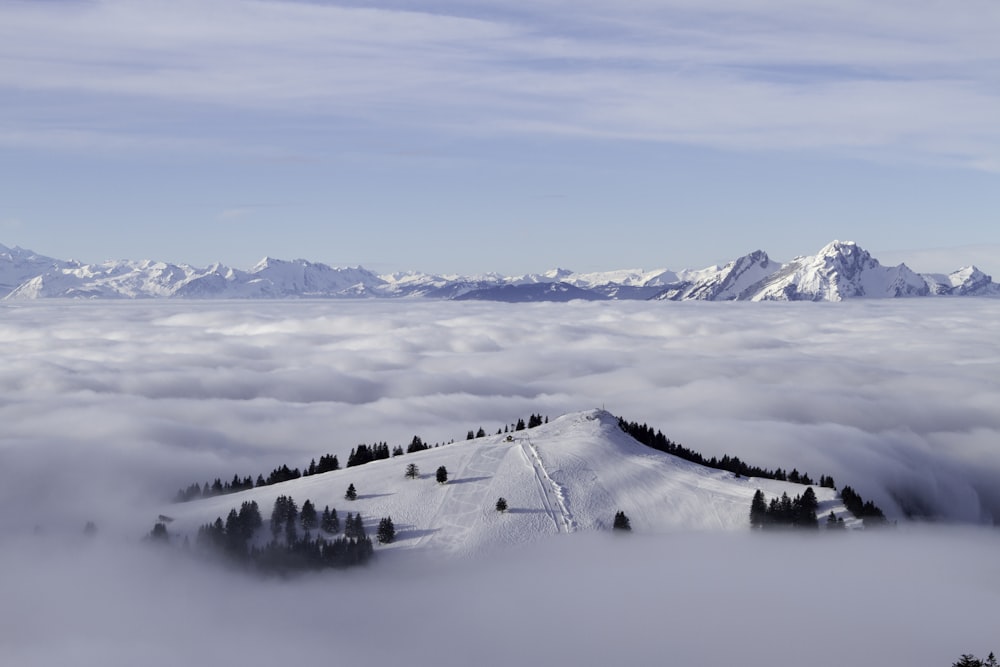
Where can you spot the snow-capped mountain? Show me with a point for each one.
(840, 270)
(569, 475)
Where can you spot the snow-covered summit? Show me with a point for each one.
(838, 271)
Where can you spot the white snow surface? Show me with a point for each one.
(570, 475)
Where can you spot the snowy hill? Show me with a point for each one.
(840, 270)
(570, 475)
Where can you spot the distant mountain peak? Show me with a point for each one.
(840, 270)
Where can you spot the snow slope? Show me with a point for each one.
(570, 475)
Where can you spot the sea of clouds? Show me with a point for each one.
(108, 408)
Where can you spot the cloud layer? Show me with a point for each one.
(109, 407)
(898, 399)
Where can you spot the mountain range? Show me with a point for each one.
(840, 270)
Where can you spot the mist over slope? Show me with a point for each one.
(840, 270)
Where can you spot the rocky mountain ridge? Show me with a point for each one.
(840, 270)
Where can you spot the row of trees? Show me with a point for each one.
(287, 549)
(798, 512)
(969, 660)
(533, 421)
(327, 463)
(655, 439)
(867, 511)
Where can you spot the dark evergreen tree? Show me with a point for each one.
(481, 433)
(621, 521)
(470, 435)
(805, 510)
(397, 450)
(501, 504)
(386, 531)
(159, 532)
(352, 493)
(412, 471)
(520, 425)
(308, 516)
(442, 475)
(330, 523)
(416, 445)
(968, 660)
(249, 519)
(758, 510)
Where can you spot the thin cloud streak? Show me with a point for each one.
(907, 81)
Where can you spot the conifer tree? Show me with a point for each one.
(330, 523)
(442, 475)
(308, 515)
(758, 510)
(501, 504)
(622, 522)
(412, 471)
(352, 493)
(386, 531)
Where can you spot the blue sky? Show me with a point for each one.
(510, 136)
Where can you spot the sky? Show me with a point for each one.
(453, 136)
(109, 407)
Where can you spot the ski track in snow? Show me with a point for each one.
(550, 492)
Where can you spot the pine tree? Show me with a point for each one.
(758, 510)
(442, 475)
(352, 493)
(501, 504)
(308, 515)
(968, 660)
(386, 531)
(159, 532)
(481, 433)
(621, 521)
(412, 471)
(330, 522)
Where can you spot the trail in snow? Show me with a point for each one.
(551, 493)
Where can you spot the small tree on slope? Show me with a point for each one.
(621, 521)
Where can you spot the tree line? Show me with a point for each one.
(520, 425)
(300, 538)
(360, 455)
(655, 439)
